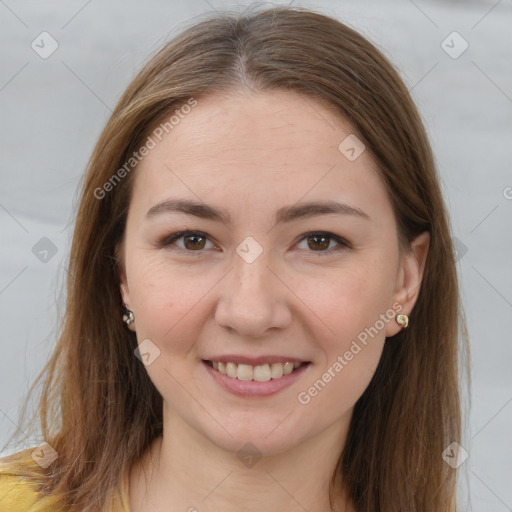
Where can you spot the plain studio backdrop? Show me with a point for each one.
(63, 68)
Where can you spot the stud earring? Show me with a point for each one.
(403, 320)
(128, 317)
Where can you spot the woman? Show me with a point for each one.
(262, 303)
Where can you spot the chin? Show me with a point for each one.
(256, 445)
(269, 437)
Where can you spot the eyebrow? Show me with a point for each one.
(284, 214)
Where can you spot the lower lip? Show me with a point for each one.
(253, 388)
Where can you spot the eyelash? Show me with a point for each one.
(343, 244)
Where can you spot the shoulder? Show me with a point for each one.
(18, 489)
(15, 494)
(21, 479)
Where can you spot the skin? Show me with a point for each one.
(252, 154)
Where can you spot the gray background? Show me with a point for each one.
(53, 109)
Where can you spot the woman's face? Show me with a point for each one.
(256, 286)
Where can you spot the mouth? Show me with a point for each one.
(260, 373)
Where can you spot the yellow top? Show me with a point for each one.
(18, 494)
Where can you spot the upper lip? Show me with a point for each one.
(254, 361)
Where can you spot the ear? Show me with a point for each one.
(123, 281)
(409, 278)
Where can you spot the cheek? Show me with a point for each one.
(164, 300)
(351, 338)
(350, 300)
(334, 391)
(354, 308)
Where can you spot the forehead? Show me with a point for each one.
(258, 149)
(274, 124)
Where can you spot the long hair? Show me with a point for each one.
(98, 408)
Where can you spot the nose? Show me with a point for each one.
(253, 299)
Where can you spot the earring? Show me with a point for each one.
(403, 320)
(128, 317)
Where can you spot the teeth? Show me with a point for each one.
(231, 370)
(287, 368)
(260, 373)
(243, 372)
(276, 370)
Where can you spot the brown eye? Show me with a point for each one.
(194, 241)
(320, 242)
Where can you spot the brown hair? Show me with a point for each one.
(98, 408)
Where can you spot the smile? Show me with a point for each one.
(259, 373)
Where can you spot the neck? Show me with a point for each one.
(184, 469)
